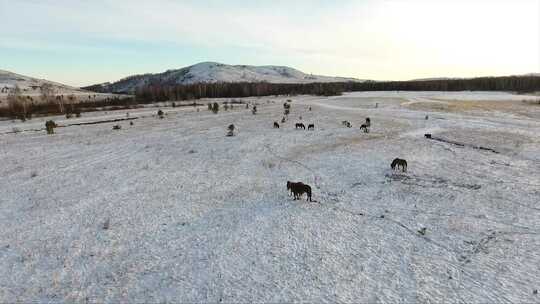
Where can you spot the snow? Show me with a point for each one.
(195, 216)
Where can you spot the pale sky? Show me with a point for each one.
(87, 42)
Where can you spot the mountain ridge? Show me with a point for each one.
(215, 72)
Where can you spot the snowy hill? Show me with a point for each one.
(30, 85)
(211, 72)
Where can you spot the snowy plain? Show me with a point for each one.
(172, 210)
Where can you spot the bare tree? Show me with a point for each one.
(48, 94)
(17, 103)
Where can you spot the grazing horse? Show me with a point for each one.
(300, 126)
(289, 187)
(276, 125)
(298, 190)
(398, 162)
(365, 127)
(311, 127)
(347, 124)
(283, 120)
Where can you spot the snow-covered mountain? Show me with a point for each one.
(30, 85)
(212, 72)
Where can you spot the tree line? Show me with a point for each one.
(161, 92)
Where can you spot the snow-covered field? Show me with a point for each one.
(173, 210)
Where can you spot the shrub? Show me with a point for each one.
(215, 108)
(174, 105)
(231, 130)
(50, 125)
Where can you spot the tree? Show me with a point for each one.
(17, 104)
(48, 95)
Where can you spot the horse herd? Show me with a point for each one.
(365, 127)
(298, 189)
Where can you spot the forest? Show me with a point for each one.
(159, 92)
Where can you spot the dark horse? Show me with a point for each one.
(365, 127)
(300, 126)
(311, 127)
(298, 190)
(276, 125)
(398, 162)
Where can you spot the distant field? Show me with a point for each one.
(173, 210)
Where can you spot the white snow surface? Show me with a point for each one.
(195, 216)
(212, 72)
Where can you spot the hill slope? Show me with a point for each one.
(211, 72)
(30, 85)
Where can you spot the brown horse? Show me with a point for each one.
(311, 127)
(398, 162)
(276, 125)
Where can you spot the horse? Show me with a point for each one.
(347, 124)
(276, 125)
(298, 190)
(311, 127)
(365, 127)
(283, 120)
(398, 162)
(368, 122)
(289, 187)
(300, 126)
